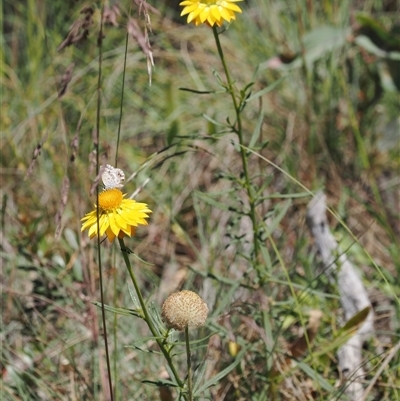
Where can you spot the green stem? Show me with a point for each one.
(189, 364)
(239, 131)
(146, 315)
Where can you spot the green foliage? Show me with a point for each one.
(318, 103)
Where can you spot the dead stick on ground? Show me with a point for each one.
(353, 295)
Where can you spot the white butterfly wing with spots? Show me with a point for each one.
(112, 177)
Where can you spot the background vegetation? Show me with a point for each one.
(331, 122)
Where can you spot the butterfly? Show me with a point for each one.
(112, 177)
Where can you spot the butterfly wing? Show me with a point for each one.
(112, 177)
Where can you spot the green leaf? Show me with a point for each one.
(356, 321)
(214, 380)
(133, 297)
(376, 29)
(270, 344)
(221, 279)
(119, 311)
(173, 131)
(77, 270)
(267, 258)
(161, 383)
(257, 131)
(293, 195)
(316, 377)
(316, 44)
(366, 43)
(196, 91)
(146, 351)
(71, 238)
(211, 201)
(324, 39)
(278, 218)
(347, 331)
(199, 374)
(247, 87)
(269, 88)
(140, 259)
(211, 120)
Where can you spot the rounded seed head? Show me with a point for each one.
(184, 308)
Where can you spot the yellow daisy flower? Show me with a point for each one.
(117, 216)
(210, 11)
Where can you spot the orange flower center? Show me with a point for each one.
(110, 199)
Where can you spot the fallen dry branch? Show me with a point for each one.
(353, 296)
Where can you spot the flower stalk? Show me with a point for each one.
(189, 364)
(146, 316)
(185, 310)
(237, 128)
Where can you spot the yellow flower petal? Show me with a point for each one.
(92, 230)
(215, 12)
(210, 11)
(112, 224)
(233, 7)
(225, 14)
(110, 234)
(120, 221)
(103, 224)
(188, 9)
(204, 14)
(194, 14)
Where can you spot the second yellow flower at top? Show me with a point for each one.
(210, 12)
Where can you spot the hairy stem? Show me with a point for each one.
(146, 316)
(238, 129)
(189, 364)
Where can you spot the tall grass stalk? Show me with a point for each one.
(97, 146)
